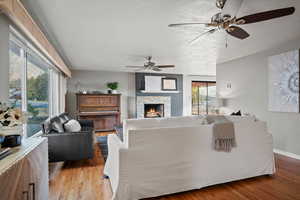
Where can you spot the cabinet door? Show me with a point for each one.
(14, 182)
(38, 162)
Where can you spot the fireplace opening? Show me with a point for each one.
(153, 110)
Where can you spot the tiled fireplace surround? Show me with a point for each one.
(165, 100)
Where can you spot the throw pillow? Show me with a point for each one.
(67, 117)
(46, 127)
(57, 126)
(72, 126)
(64, 117)
(62, 120)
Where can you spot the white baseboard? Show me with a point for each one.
(288, 154)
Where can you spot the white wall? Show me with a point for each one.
(96, 80)
(187, 91)
(248, 77)
(4, 58)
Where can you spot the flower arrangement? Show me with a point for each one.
(11, 116)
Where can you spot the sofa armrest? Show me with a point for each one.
(112, 165)
(70, 146)
(115, 141)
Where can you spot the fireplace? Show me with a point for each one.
(153, 110)
(162, 102)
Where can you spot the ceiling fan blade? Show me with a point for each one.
(202, 34)
(141, 69)
(263, 16)
(135, 66)
(188, 24)
(237, 32)
(156, 69)
(165, 66)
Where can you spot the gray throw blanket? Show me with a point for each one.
(223, 133)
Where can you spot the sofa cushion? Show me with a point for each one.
(72, 126)
(209, 119)
(163, 122)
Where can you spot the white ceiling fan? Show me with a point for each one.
(151, 66)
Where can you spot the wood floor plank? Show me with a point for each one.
(83, 180)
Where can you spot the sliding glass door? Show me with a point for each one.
(204, 97)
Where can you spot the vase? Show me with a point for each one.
(15, 130)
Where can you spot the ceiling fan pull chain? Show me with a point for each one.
(226, 41)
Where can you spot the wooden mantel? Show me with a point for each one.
(16, 11)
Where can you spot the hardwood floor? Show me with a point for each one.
(83, 180)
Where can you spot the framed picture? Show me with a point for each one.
(169, 84)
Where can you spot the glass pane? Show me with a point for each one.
(199, 94)
(195, 99)
(212, 98)
(55, 92)
(202, 98)
(16, 62)
(37, 93)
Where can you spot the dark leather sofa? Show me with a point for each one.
(68, 146)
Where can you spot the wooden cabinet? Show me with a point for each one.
(24, 174)
(103, 109)
(16, 182)
(38, 171)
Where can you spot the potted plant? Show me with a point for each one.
(112, 86)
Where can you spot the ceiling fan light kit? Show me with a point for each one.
(220, 3)
(224, 21)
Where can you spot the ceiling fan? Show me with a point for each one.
(224, 21)
(149, 65)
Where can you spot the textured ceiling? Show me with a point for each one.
(263, 35)
(108, 35)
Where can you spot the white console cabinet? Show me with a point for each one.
(24, 173)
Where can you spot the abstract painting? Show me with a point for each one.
(284, 83)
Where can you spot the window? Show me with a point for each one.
(204, 97)
(17, 61)
(37, 92)
(34, 83)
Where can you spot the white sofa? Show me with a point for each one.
(164, 156)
